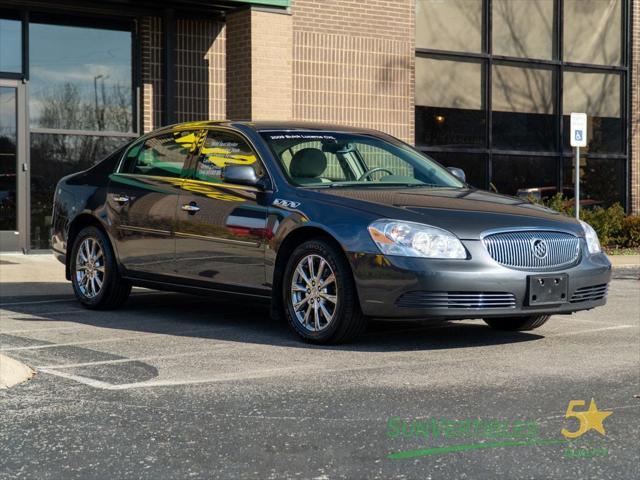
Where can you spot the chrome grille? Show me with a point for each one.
(464, 300)
(516, 249)
(589, 294)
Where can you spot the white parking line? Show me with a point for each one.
(578, 332)
(223, 377)
(59, 300)
(114, 339)
(126, 360)
(73, 299)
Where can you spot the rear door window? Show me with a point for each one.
(161, 156)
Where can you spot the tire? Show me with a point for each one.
(107, 290)
(517, 323)
(331, 312)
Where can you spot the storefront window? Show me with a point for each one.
(523, 29)
(53, 157)
(525, 175)
(602, 180)
(474, 165)
(10, 45)
(451, 25)
(8, 151)
(523, 67)
(80, 78)
(522, 104)
(593, 31)
(599, 96)
(449, 102)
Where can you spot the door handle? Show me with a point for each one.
(121, 199)
(191, 208)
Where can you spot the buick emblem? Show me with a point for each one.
(539, 248)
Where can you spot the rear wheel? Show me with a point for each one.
(94, 272)
(530, 322)
(319, 295)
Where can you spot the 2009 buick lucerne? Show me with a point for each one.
(333, 224)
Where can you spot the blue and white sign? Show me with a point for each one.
(578, 130)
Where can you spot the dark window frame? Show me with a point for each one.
(558, 65)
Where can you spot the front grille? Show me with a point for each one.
(464, 300)
(589, 294)
(516, 249)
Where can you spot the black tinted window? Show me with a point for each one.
(221, 149)
(161, 156)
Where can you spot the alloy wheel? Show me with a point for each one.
(90, 267)
(314, 293)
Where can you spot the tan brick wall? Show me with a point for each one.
(238, 73)
(272, 66)
(151, 70)
(200, 70)
(353, 64)
(635, 109)
(259, 65)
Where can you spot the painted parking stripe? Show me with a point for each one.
(126, 360)
(578, 332)
(73, 299)
(115, 339)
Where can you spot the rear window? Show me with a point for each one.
(162, 156)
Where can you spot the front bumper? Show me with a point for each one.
(385, 282)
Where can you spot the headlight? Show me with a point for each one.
(590, 235)
(409, 239)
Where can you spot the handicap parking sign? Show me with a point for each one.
(578, 130)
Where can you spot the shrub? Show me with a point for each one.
(607, 222)
(630, 232)
(611, 224)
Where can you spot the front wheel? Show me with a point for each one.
(94, 272)
(319, 294)
(530, 322)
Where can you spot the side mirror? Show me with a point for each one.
(458, 173)
(241, 175)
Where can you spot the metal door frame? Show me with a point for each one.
(19, 240)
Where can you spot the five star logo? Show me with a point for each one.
(590, 419)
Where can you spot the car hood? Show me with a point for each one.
(466, 212)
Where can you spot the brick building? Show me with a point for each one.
(485, 85)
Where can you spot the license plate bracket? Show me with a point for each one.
(548, 289)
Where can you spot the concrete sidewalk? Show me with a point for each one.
(625, 261)
(13, 372)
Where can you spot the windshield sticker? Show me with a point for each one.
(302, 136)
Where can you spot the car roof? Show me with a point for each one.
(265, 125)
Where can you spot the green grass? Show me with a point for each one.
(621, 251)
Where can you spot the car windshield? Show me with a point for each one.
(334, 159)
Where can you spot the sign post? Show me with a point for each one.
(578, 139)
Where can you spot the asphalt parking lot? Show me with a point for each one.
(175, 386)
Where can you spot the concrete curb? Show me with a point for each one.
(624, 261)
(13, 372)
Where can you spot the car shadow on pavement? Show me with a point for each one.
(238, 319)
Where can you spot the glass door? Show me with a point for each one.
(13, 166)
